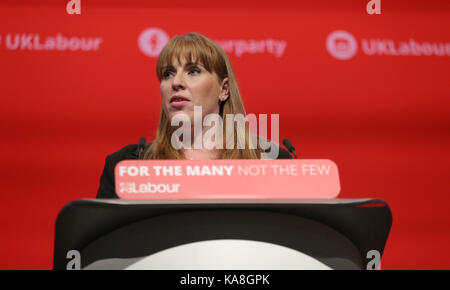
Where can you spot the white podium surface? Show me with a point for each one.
(220, 255)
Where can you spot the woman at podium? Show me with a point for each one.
(196, 79)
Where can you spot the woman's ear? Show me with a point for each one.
(224, 93)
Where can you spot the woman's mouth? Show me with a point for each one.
(178, 101)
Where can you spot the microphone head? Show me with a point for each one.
(288, 144)
(142, 142)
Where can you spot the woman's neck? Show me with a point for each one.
(200, 153)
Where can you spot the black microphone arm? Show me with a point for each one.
(289, 146)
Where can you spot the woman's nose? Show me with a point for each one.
(178, 81)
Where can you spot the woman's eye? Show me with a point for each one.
(166, 74)
(194, 70)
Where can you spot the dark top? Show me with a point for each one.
(130, 152)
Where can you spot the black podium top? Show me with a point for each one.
(365, 222)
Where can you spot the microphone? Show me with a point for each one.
(141, 147)
(289, 146)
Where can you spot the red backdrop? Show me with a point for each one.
(383, 118)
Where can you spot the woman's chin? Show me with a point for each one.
(180, 115)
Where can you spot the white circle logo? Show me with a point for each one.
(341, 44)
(152, 41)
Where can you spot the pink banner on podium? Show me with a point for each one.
(224, 179)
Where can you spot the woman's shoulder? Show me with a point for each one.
(128, 152)
(107, 179)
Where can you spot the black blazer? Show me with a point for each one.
(130, 152)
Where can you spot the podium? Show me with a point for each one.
(222, 234)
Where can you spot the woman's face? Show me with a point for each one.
(185, 85)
